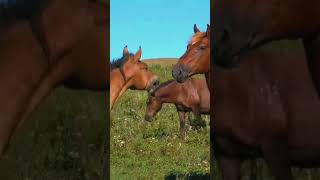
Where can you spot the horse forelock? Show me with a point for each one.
(197, 37)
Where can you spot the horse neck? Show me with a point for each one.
(168, 93)
(117, 85)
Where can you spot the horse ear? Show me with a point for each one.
(125, 50)
(138, 54)
(208, 30)
(195, 28)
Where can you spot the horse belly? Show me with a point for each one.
(183, 108)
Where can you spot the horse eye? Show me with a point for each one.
(202, 47)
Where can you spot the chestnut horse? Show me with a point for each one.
(56, 43)
(196, 59)
(241, 25)
(191, 63)
(129, 72)
(191, 95)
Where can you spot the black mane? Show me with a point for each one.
(160, 86)
(118, 63)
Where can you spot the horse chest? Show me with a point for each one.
(268, 110)
(252, 114)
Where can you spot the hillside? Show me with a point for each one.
(161, 61)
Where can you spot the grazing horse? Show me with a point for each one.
(56, 43)
(128, 72)
(192, 95)
(196, 59)
(263, 108)
(241, 25)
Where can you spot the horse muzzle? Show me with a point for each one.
(148, 118)
(180, 73)
(154, 83)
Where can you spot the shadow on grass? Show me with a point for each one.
(189, 176)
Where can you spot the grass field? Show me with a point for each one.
(63, 140)
(141, 150)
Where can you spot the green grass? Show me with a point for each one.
(62, 140)
(141, 150)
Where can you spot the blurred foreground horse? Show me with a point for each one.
(45, 44)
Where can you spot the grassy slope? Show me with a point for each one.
(141, 150)
(161, 61)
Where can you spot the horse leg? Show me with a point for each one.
(230, 167)
(312, 49)
(17, 117)
(57, 73)
(276, 156)
(189, 121)
(197, 114)
(182, 117)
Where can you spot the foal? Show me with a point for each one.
(192, 95)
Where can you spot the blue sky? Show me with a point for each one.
(161, 27)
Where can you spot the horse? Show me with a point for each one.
(128, 72)
(191, 63)
(236, 32)
(57, 43)
(192, 95)
(262, 108)
(196, 59)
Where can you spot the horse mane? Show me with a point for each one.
(197, 37)
(160, 86)
(118, 63)
(165, 84)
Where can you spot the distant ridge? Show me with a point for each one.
(161, 61)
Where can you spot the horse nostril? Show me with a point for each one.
(156, 82)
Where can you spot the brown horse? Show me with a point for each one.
(129, 72)
(190, 64)
(241, 25)
(196, 59)
(263, 108)
(192, 95)
(59, 43)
